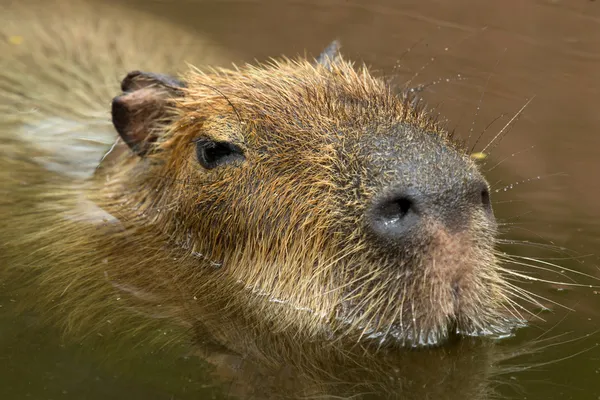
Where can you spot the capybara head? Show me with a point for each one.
(328, 203)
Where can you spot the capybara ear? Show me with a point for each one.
(330, 55)
(143, 103)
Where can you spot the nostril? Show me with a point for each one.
(404, 205)
(393, 218)
(485, 199)
(394, 210)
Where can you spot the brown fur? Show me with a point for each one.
(270, 250)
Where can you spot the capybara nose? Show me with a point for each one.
(400, 212)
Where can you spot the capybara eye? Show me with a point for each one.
(211, 154)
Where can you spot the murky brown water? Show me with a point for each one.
(496, 56)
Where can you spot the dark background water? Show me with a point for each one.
(507, 52)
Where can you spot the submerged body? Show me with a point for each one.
(294, 202)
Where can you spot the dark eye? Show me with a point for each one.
(211, 154)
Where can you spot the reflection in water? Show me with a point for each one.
(559, 66)
(463, 371)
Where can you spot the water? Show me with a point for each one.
(496, 56)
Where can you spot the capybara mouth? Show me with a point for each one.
(407, 320)
(400, 335)
(410, 335)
